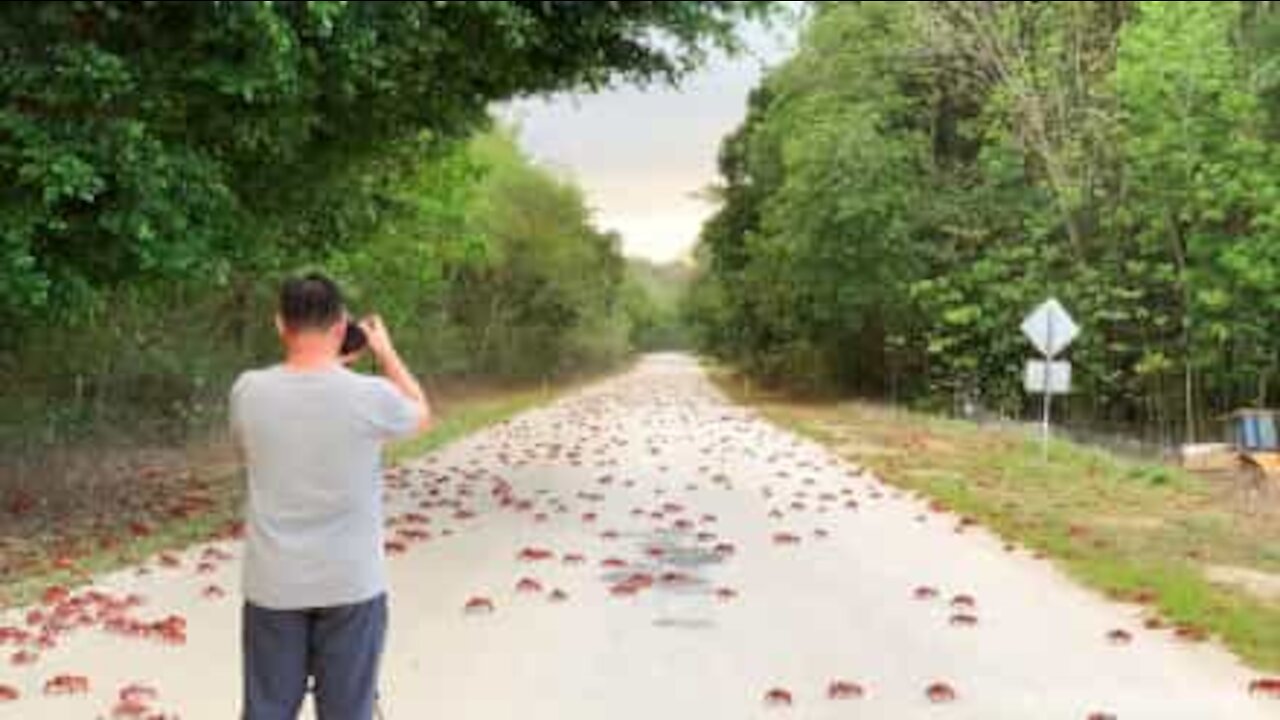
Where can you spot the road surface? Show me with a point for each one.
(704, 559)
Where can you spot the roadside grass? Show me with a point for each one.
(1137, 531)
(458, 417)
(40, 552)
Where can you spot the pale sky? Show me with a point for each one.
(642, 154)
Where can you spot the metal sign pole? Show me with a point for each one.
(1048, 392)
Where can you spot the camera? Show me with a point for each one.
(354, 340)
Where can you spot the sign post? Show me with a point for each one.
(1051, 329)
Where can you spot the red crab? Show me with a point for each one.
(67, 685)
(23, 657)
(395, 547)
(725, 594)
(784, 538)
(1266, 687)
(558, 595)
(1119, 637)
(1145, 596)
(534, 554)
(528, 585)
(924, 592)
(778, 697)
(844, 690)
(624, 589)
(172, 630)
(640, 580)
(613, 562)
(213, 592)
(8, 693)
(963, 601)
(963, 620)
(138, 693)
(1191, 633)
(1101, 716)
(940, 692)
(131, 710)
(55, 594)
(478, 604)
(12, 636)
(724, 549)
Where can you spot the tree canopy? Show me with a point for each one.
(187, 139)
(920, 175)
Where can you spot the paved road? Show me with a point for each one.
(687, 600)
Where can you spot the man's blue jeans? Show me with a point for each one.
(339, 647)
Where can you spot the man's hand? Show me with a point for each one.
(377, 337)
(379, 343)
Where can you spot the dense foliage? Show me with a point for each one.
(163, 164)
(654, 295)
(920, 175)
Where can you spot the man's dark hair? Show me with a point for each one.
(310, 302)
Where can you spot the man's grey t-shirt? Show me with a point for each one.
(311, 442)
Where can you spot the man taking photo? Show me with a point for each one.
(311, 433)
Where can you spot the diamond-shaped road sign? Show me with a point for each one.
(1050, 328)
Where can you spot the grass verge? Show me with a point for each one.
(460, 417)
(1137, 531)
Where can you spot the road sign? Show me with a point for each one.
(1050, 328)
(1048, 377)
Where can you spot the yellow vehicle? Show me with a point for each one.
(1251, 452)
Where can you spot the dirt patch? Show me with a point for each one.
(1264, 585)
(1128, 522)
(856, 448)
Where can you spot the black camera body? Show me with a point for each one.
(354, 340)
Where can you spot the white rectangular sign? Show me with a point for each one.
(1053, 377)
